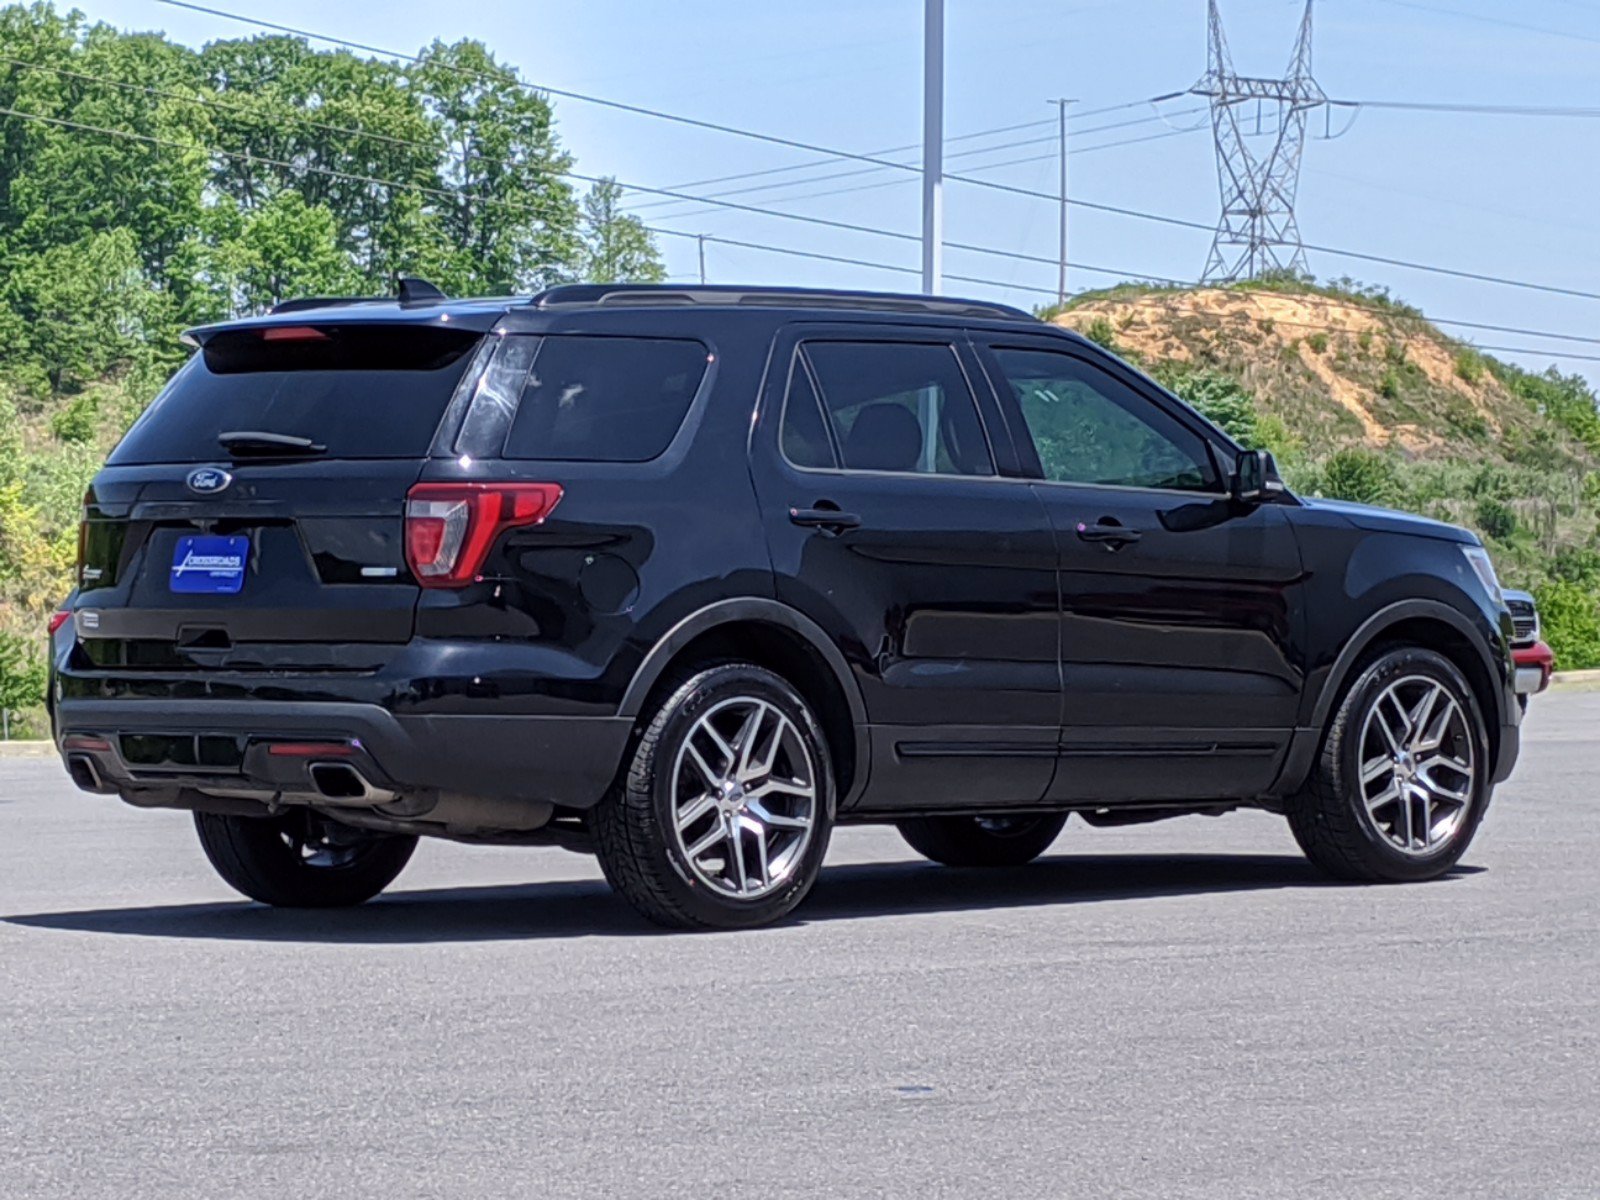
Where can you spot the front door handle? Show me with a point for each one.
(1108, 533)
(826, 517)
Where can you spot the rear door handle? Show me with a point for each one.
(1108, 533)
(824, 517)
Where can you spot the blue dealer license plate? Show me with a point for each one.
(209, 565)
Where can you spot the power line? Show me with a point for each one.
(827, 192)
(565, 93)
(991, 184)
(695, 122)
(447, 194)
(899, 150)
(1493, 110)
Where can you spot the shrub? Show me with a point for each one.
(22, 673)
(1389, 385)
(1318, 343)
(1469, 365)
(1570, 616)
(1360, 475)
(1496, 518)
(1101, 333)
(1218, 397)
(77, 420)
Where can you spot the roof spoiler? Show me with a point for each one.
(411, 292)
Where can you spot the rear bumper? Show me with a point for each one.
(1534, 666)
(226, 745)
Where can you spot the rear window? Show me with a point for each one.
(363, 391)
(605, 399)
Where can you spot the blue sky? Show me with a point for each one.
(1496, 195)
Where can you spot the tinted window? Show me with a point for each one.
(370, 391)
(605, 399)
(900, 407)
(805, 437)
(1089, 427)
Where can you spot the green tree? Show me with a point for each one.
(617, 248)
(287, 248)
(86, 307)
(22, 673)
(511, 218)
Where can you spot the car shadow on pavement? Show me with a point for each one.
(588, 909)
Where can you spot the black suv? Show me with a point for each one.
(688, 576)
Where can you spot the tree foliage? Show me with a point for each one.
(160, 187)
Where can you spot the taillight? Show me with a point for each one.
(450, 527)
(57, 619)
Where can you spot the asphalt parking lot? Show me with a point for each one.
(1179, 1010)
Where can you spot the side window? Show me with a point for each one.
(900, 406)
(805, 437)
(1089, 427)
(605, 399)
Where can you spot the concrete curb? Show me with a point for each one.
(1575, 681)
(27, 749)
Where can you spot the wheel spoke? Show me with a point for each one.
(1417, 718)
(774, 744)
(1456, 795)
(759, 832)
(1433, 737)
(782, 787)
(696, 809)
(773, 820)
(1387, 796)
(741, 877)
(1376, 768)
(709, 777)
(1384, 727)
(745, 743)
(717, 833)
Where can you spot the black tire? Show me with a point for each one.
(300, 860)
(635, 826)
(1329, 817)
(999, 841)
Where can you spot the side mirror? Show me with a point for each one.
(1255, 477)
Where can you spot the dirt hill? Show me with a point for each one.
(1339, 369)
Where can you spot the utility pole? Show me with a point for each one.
(1061, 278)
(933, 147)
(701, 239)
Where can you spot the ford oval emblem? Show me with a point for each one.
(208, 481)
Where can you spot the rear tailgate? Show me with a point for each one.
(236, 554)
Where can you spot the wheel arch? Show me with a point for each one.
(782, 639)
(1419, 622)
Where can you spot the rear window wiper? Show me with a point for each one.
(246, 442)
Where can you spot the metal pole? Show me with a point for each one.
(701, 238)
(933, 147)
(1061, 277)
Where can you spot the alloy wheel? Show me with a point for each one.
(1418, 765)
(744, 798)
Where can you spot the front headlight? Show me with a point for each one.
(1483, 568)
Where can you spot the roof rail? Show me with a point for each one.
(572, 294)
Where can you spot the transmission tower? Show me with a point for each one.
(1259, 177)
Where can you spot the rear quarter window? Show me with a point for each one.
(605, 399)
(362, 391)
